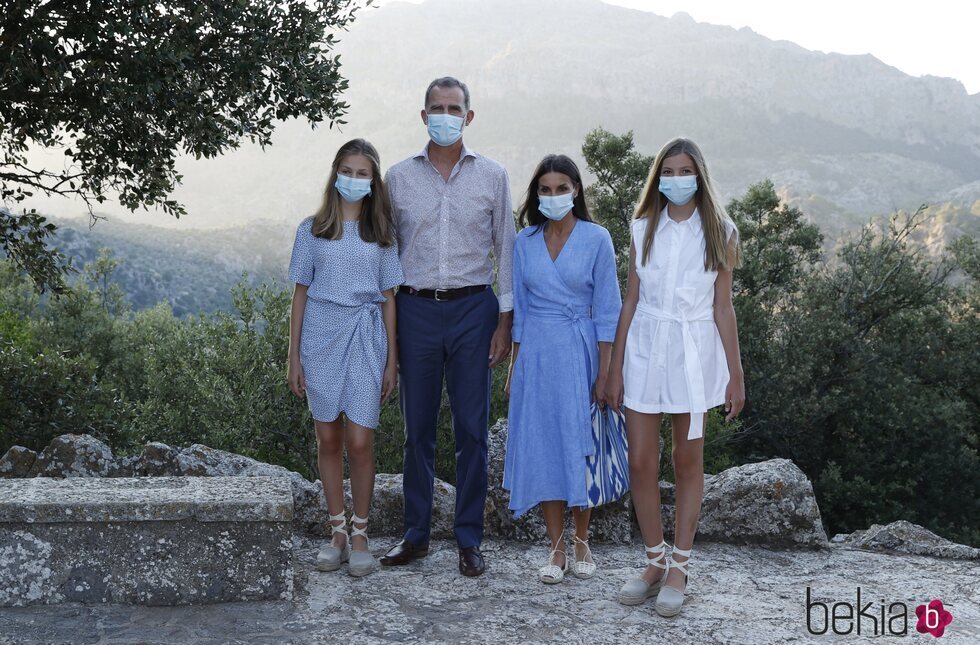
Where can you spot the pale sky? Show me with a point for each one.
(938, 37)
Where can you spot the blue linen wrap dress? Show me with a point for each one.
(343, 343)
(562, 309)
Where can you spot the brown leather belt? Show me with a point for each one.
(442, 295)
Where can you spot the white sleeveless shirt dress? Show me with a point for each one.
(674, 360)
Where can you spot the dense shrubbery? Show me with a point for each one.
(863, 368)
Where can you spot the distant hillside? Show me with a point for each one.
(849, 133)
(192, 270)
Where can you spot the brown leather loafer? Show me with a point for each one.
(471, 561)
(403, 553)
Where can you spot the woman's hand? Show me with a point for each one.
(389, 380)
(614, 389)
(734, 396)
(296, 378)
(599, 390)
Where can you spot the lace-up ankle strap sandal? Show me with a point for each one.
(361, 562)
(330, 557)
(670, 599)
(637, 590)
(584, 568)
(551, 573)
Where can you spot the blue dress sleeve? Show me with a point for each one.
(519, 290)
(391, 268)
(606, 298)
(301, 262)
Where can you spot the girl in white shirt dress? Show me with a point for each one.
(676, 351)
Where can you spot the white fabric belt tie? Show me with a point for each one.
(692, 360)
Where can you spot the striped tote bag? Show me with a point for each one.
(607, 473)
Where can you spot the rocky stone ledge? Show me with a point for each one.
(159, 541)
(906, 537)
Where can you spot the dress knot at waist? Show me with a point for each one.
(682, 315)
(694, 376)
(573, 313)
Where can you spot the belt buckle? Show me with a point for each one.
(436, 292)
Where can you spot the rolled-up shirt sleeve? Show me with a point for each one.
(504, 233)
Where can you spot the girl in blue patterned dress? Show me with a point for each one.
(342, 352)
(566, 304)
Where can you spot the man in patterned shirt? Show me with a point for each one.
(452, 207)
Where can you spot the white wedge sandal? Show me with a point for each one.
(361, 562)
(669, 600)
(330, 557)
(584, 568)
(551, 573)
(637, 590)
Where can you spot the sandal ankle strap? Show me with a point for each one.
(680, 565)
(558, 547)
(658, 551)
(355, 530)
(342, 527)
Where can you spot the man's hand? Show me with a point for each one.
(500, 344)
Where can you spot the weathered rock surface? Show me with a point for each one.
(770, 502)
(17, 462)
(75, 455)
(738, 594)
(157, 541)
(905, 537)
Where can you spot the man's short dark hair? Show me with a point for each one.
(448, 82)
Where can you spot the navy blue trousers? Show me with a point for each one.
(448, 339)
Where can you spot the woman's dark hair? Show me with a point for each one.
(529, 215)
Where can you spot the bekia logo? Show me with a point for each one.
(844, 618)
(933, 618)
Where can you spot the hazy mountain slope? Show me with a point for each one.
(192, 270)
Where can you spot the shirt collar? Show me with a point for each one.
(693, 222)
(424, 153)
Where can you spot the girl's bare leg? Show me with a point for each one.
(643, 435)
(330, 463)
(360, 456)
(688, 459)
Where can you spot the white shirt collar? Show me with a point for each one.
(693, 222)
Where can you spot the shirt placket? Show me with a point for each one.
(670, 285)
(444, 233)
(673, 254)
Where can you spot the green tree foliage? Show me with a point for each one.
(861, 369)
(123, 86)
(85, 362)
(620, 173)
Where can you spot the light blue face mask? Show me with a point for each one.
(679, 189)
(445, 129)
(555, 207)
(353, 189)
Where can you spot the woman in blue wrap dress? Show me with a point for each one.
(566, 306)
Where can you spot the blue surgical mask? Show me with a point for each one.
(555, 207)
(445, 129)
(353, 189)
(679, 189)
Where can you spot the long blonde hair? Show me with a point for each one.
(376, 224)
(713, 215)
